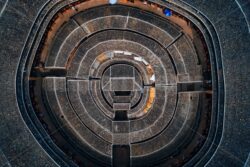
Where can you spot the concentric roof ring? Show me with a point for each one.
(164, 130)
